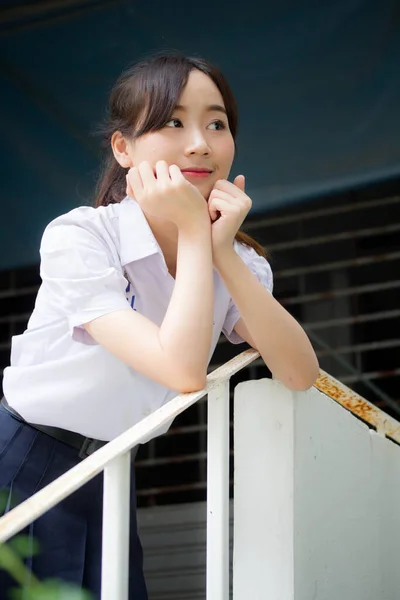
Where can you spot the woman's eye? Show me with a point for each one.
(218, 125)
(174, 123)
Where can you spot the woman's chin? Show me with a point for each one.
(205, 190)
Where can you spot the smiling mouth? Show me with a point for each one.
(202, 173)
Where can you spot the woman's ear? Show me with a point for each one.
(120, 148)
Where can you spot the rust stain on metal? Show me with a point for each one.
(347, 398)
(360, 407)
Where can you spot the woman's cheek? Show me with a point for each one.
(154, 148)
(227, 154)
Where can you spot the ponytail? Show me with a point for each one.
(111, 187)
(245, 238)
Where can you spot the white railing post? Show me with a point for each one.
(116, 512)
(114, 460)
(263, 554)
(218, 493)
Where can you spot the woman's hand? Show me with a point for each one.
(166, 194)
(228, 206)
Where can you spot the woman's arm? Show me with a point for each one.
(267, 326)
(175, 354)
(264, 323)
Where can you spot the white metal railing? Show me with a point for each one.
(114, 460)
(316, 494)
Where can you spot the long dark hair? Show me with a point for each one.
(143, 100)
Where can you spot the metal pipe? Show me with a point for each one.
(218, 493)
(334, 237)
(358, 348)
(271, 221)
(340, 264)
(363, 318)
(359, 289)
(115, 545)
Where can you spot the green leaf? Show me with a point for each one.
(25, 546)
(8, 497)
(3, 501)
(7, 558)
(51, 590)
(14, 565)
(61, 590)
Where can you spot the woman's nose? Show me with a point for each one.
(197, 144)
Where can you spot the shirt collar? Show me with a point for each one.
(136, 238)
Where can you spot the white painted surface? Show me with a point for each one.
(218, 493)
(317, 498)
(263, 492)
(36, 505)
(116, 514)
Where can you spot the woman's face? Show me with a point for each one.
(197, 138)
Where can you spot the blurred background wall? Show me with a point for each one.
(318, 87)
(317, 83)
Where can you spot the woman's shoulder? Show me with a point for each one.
(86, 215)
(84, 221)
(257, 264)
(246, 252)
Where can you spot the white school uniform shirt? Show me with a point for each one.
(58, 375)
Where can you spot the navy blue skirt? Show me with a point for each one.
(70, 534)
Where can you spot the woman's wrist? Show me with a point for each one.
(196, 229)
(198, 222)
(223, 257)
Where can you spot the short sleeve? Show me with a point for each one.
(261, 268)
(80, 281)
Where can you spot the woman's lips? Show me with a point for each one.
(196, 173)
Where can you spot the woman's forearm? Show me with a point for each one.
(281, 341)
(186, 331)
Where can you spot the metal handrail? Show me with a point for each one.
(114, 460)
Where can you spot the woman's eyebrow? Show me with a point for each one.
(210, 108)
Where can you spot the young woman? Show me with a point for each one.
(135, 294)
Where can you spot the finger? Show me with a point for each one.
(241, 200)
(162, 171)
(147, 174)
(224, 206)
(129, 191)
(176, 174)
(218, 207)
(240, 182)
(212, 209)
(135, 182)
(227, 186)
(223, 195)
